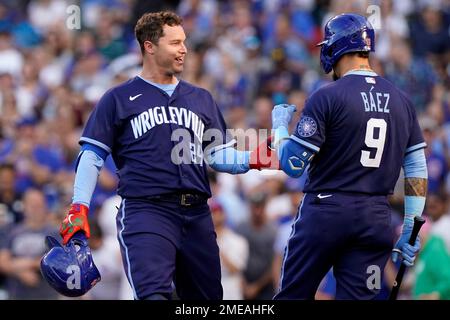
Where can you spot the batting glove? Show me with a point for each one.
(264, 157)
(76, 220)
(282, 115)
(403, 248)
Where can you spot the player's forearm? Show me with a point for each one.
(416, 182)
(281, 134)
(294, 158)
(415, 195)
(416, 187)
(229, 160)
(86, 177)
(287, 151)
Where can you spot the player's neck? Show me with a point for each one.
(157, 75)
(348, 64)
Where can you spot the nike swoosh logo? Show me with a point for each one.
(69, 217)
(132, 98)
(320, 196)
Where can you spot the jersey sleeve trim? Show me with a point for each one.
(416, 147)
(305, 144)
(231, 143)
(96, 143)
(97, 150)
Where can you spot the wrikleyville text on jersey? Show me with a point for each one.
(154, 116)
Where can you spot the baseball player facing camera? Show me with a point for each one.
(160, 131)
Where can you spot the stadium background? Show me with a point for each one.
(251, 55)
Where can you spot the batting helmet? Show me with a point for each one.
(69, 269)
(347, 32)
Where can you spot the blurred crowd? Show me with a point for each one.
(251, 55)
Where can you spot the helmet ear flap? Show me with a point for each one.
(329, 50)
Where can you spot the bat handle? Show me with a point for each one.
(418, 222)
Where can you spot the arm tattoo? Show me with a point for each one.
(416, 187)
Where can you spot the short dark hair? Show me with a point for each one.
(360, 54)
(150, 26)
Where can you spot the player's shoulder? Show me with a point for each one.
(393, 89)
(332, 88)
(324, 88)
(114, 93)
(125, 86)
(324, 94)
(188, 87)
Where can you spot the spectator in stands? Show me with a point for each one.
(9, 198)
(106, 256)
(23, 248)
(432, 270)
(258, 278)
(234, 252)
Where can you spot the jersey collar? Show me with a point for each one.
(182, 88)
(160, 85)
(361, 73)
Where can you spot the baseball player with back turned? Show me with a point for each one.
(164, 224)
(355, 133)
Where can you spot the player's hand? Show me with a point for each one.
(282, 115)
(76, 220)
(407, 251)
(264, 157)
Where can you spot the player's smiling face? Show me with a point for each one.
(171, 51)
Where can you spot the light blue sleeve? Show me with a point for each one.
(415, 166)
(229, 160)
(88, 169)
(281, 134)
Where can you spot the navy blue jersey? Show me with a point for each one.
(360, 127)
(137, 122)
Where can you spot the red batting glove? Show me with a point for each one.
(264, 157)
(75, 220)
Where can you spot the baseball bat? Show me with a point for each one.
(418, 222)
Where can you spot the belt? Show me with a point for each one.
(183, 199)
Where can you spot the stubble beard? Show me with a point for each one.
(173, 71)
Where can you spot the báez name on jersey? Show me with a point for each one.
(165, 115)
(375, 101)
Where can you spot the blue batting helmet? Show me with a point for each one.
(69, 269)
(347, 32)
